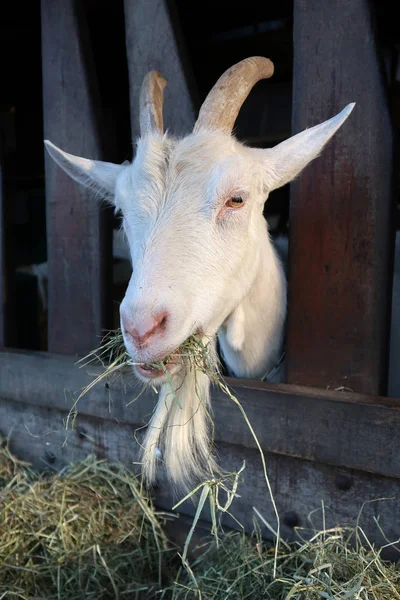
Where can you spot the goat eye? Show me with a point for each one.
(234, 202)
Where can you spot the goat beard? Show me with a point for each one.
(178, 435)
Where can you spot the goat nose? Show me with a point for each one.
(144, 326)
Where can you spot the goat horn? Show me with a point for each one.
(221, 107)
(151, 103)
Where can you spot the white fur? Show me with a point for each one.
(210, 268)
(178, 433)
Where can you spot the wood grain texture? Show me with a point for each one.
(337, 428)
(37, 434)
(300, 487)
(152, 43)
(78, 229)
(341, 237)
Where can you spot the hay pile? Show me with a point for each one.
(89, 532)
(334, 565)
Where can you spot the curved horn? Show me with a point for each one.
(151, 103)
(221, 107)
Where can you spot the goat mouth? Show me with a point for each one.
(159, 368)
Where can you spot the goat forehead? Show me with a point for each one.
(202, 150)
(168, 171)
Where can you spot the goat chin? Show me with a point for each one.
(178, 435)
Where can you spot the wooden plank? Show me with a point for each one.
(78, 229)
(337, 428)
(37, 434)
(340, 231)
(153, 42)
(300, 487)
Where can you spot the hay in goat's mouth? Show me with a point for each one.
(115, 359)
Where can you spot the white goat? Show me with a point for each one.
(202, 258)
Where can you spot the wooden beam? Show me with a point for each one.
(38, 434)
(341, 237)
(153, 42)
(337, 428)
(78, 229)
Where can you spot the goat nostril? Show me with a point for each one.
(163, 321)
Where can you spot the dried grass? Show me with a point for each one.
(327, 568)
(87, 532)
(195, 351)
(335, 564)
(90, 532)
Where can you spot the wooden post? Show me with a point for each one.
(341, 238)
(78, 229)
(152, 43)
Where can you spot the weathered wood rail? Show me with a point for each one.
(338, 428)
(336, 447)
(320, 445)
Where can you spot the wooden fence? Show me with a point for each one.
(339, 447)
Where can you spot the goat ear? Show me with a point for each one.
(98, 175)
(286, 160)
